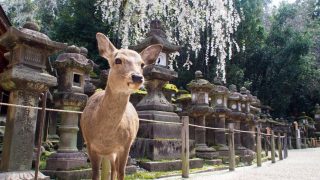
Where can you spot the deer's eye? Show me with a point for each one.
(118, 61)
(142, 65)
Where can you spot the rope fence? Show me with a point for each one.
(230, 131)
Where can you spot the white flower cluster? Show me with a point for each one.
(22, 10)
(19, 9)
(184, 21)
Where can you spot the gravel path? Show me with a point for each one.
(300, 165)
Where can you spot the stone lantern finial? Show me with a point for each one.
(84, 51)
(198, 74)
(217, 81)
(233, 88)
(243, 90)
(73, 49)
(31, 25)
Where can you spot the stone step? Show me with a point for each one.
(169, 165)
(213, 162)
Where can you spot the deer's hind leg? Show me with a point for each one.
(121, 163)
(113, 166)
(95, 160)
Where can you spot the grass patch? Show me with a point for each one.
(43, 159)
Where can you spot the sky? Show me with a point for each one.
(277, 2)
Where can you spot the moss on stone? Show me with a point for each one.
(171, 87)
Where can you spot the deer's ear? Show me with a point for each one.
(151, 53)
(106, 48)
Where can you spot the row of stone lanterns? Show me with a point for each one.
(226, 106)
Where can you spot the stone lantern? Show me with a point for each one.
(155, 106)
(157, 35)
(236, 115)
(25, 78)
(303, 123)
(183, 101)
(219, 99)
(317, 113)
(317, 120)
(72, 68)
(200, 89)
(250, 119)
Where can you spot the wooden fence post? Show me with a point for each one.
(105, 169)
(273, 156)
(185, 146)
(285, 146)
(232, 162)
(280, 147)
(42, 119)
(258, 147)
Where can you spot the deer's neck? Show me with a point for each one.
(113, 106)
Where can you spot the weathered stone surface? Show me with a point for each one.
(156, 131)
(155, 106)
(22, 175)
(69, 175)
(159, 116)
(20, 129)
(170, 165)
(225, 159)
(158, 149)
(25, 78)
(66, 161)
(207, 155)
(213, 162)
(223, 153)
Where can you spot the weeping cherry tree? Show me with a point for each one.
(184, 21)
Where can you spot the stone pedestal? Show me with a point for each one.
(25, 85)
(20, 128)
(298, 139)
(237, 137)
(154, 106)
(248, 140)
(72, 67)
(25, 175)
(220, 136)
(68, 157)
(52, 128)
(202, 150)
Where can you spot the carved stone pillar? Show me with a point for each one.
(72, 67)
(25, 78)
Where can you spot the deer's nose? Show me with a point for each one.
(137, 78)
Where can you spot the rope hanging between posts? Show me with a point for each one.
(145, 120)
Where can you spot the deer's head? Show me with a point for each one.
(126, 65)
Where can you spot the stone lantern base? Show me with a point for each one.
(26, 175)
(205, 152)
(158, 141)
(68, 165)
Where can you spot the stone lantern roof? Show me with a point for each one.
(29, 35)
(156, 35)
(74, 57)
(219, 88)
(200, 84)
(234, 95)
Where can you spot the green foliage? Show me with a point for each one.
(278, 64)
(279, 59)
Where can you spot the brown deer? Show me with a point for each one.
(109, 121)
